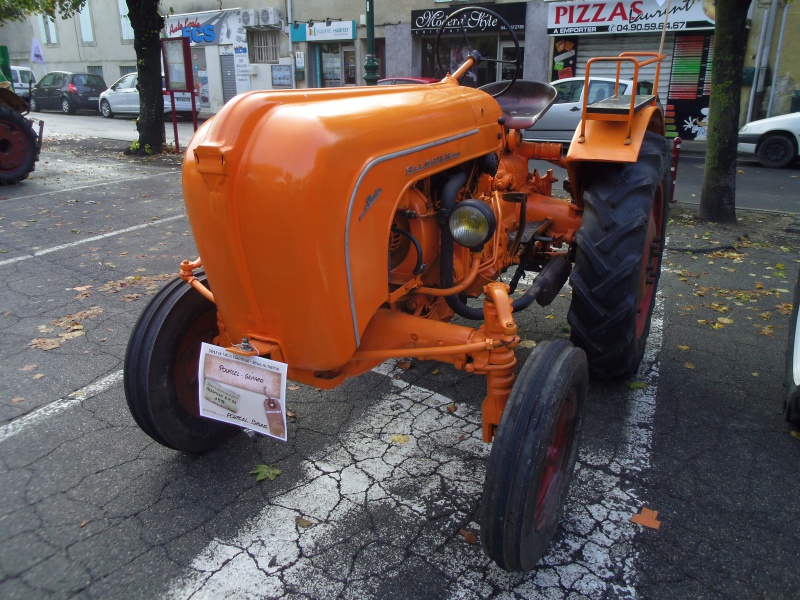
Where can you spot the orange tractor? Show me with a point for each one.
(398, 205)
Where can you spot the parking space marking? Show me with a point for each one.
(45, 412)
(103, 236)
(89, 185)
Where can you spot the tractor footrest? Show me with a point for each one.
(619, 105)
(531, 230)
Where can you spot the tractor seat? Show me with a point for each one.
(524, 102)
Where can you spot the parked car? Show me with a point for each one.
(67, 91)
(774, 141)
(558, 124)
(407, 80)
(123, 98)
(21, 78)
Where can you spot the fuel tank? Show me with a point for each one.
(290, 196)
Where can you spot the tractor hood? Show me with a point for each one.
(290, 196)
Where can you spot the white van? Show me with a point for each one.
(22, 77)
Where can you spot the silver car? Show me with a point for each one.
(561, 120)
(123, 98)
(774, 141)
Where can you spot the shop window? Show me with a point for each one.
(264, 47)
(47, 25)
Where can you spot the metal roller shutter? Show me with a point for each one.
(227, 63)
(591, 46)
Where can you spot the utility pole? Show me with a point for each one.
(371, 65)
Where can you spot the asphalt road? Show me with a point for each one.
(91, 507)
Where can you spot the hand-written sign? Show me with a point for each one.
(246, 391)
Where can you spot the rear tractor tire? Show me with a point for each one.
(618, 261)
(18, 149)
(161, 365)
(533, 456)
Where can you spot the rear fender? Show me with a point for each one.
(605, 142)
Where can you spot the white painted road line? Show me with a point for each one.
(33, 418)
(87, 240)
(91, 185)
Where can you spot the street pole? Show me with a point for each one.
(371, 65)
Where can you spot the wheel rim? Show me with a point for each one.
(105, 108)
(65, 105)
(775, 152)
(554, 475)
(204, 329)
(651, 262)
(14, 146)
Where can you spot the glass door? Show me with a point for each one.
(505, 70)
(349, 59)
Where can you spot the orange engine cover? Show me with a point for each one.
(290, 196)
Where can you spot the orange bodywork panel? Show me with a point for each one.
(290, 196)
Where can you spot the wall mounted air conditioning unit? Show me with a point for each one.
(259, 17)
(269, 16)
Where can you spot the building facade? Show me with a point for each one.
(280, 44)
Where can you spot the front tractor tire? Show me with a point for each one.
(533, 456)
(618, 260)
(161, 366)
(18, 147)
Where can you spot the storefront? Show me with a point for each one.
(485, 33)
(325, 53)
(584, 30)
(233, 51)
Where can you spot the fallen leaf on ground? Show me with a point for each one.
(689, 365)
(647, 518)
(293, 387)
(84, 523)
(38, 376)
(468, 536)
(290, 414)
(45, 343)
(399, 438)
(527, 344)
(404, 364)
(637, 385)
(27, 368)
(451, 408)
(44, 329)
(264, 471)
(303, 522)
(684, 348)
(131, 297)
(795, 434)
(435, 372)
(725, 320)
(82, 288)
(17, 400)
(768, 331)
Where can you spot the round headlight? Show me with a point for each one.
(472, 224)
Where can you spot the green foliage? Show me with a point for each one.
(16, 10)
(264, 471)
(134, 145)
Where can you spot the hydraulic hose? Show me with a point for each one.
(544, 288)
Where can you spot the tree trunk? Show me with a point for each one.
(718, 197)
(147, 23)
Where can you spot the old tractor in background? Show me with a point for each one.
(19, 142)
(339, 228)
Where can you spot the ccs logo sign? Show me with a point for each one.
(200, 35)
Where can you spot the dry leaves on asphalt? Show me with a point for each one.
(72, 326)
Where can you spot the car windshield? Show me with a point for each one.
(24, 76)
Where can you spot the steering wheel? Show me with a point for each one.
(474, 54)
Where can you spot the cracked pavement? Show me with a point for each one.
(90, 507)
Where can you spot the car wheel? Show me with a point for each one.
(66, 106)
(34, 104)
(776, 151)
(105, 109)
(186, 116)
